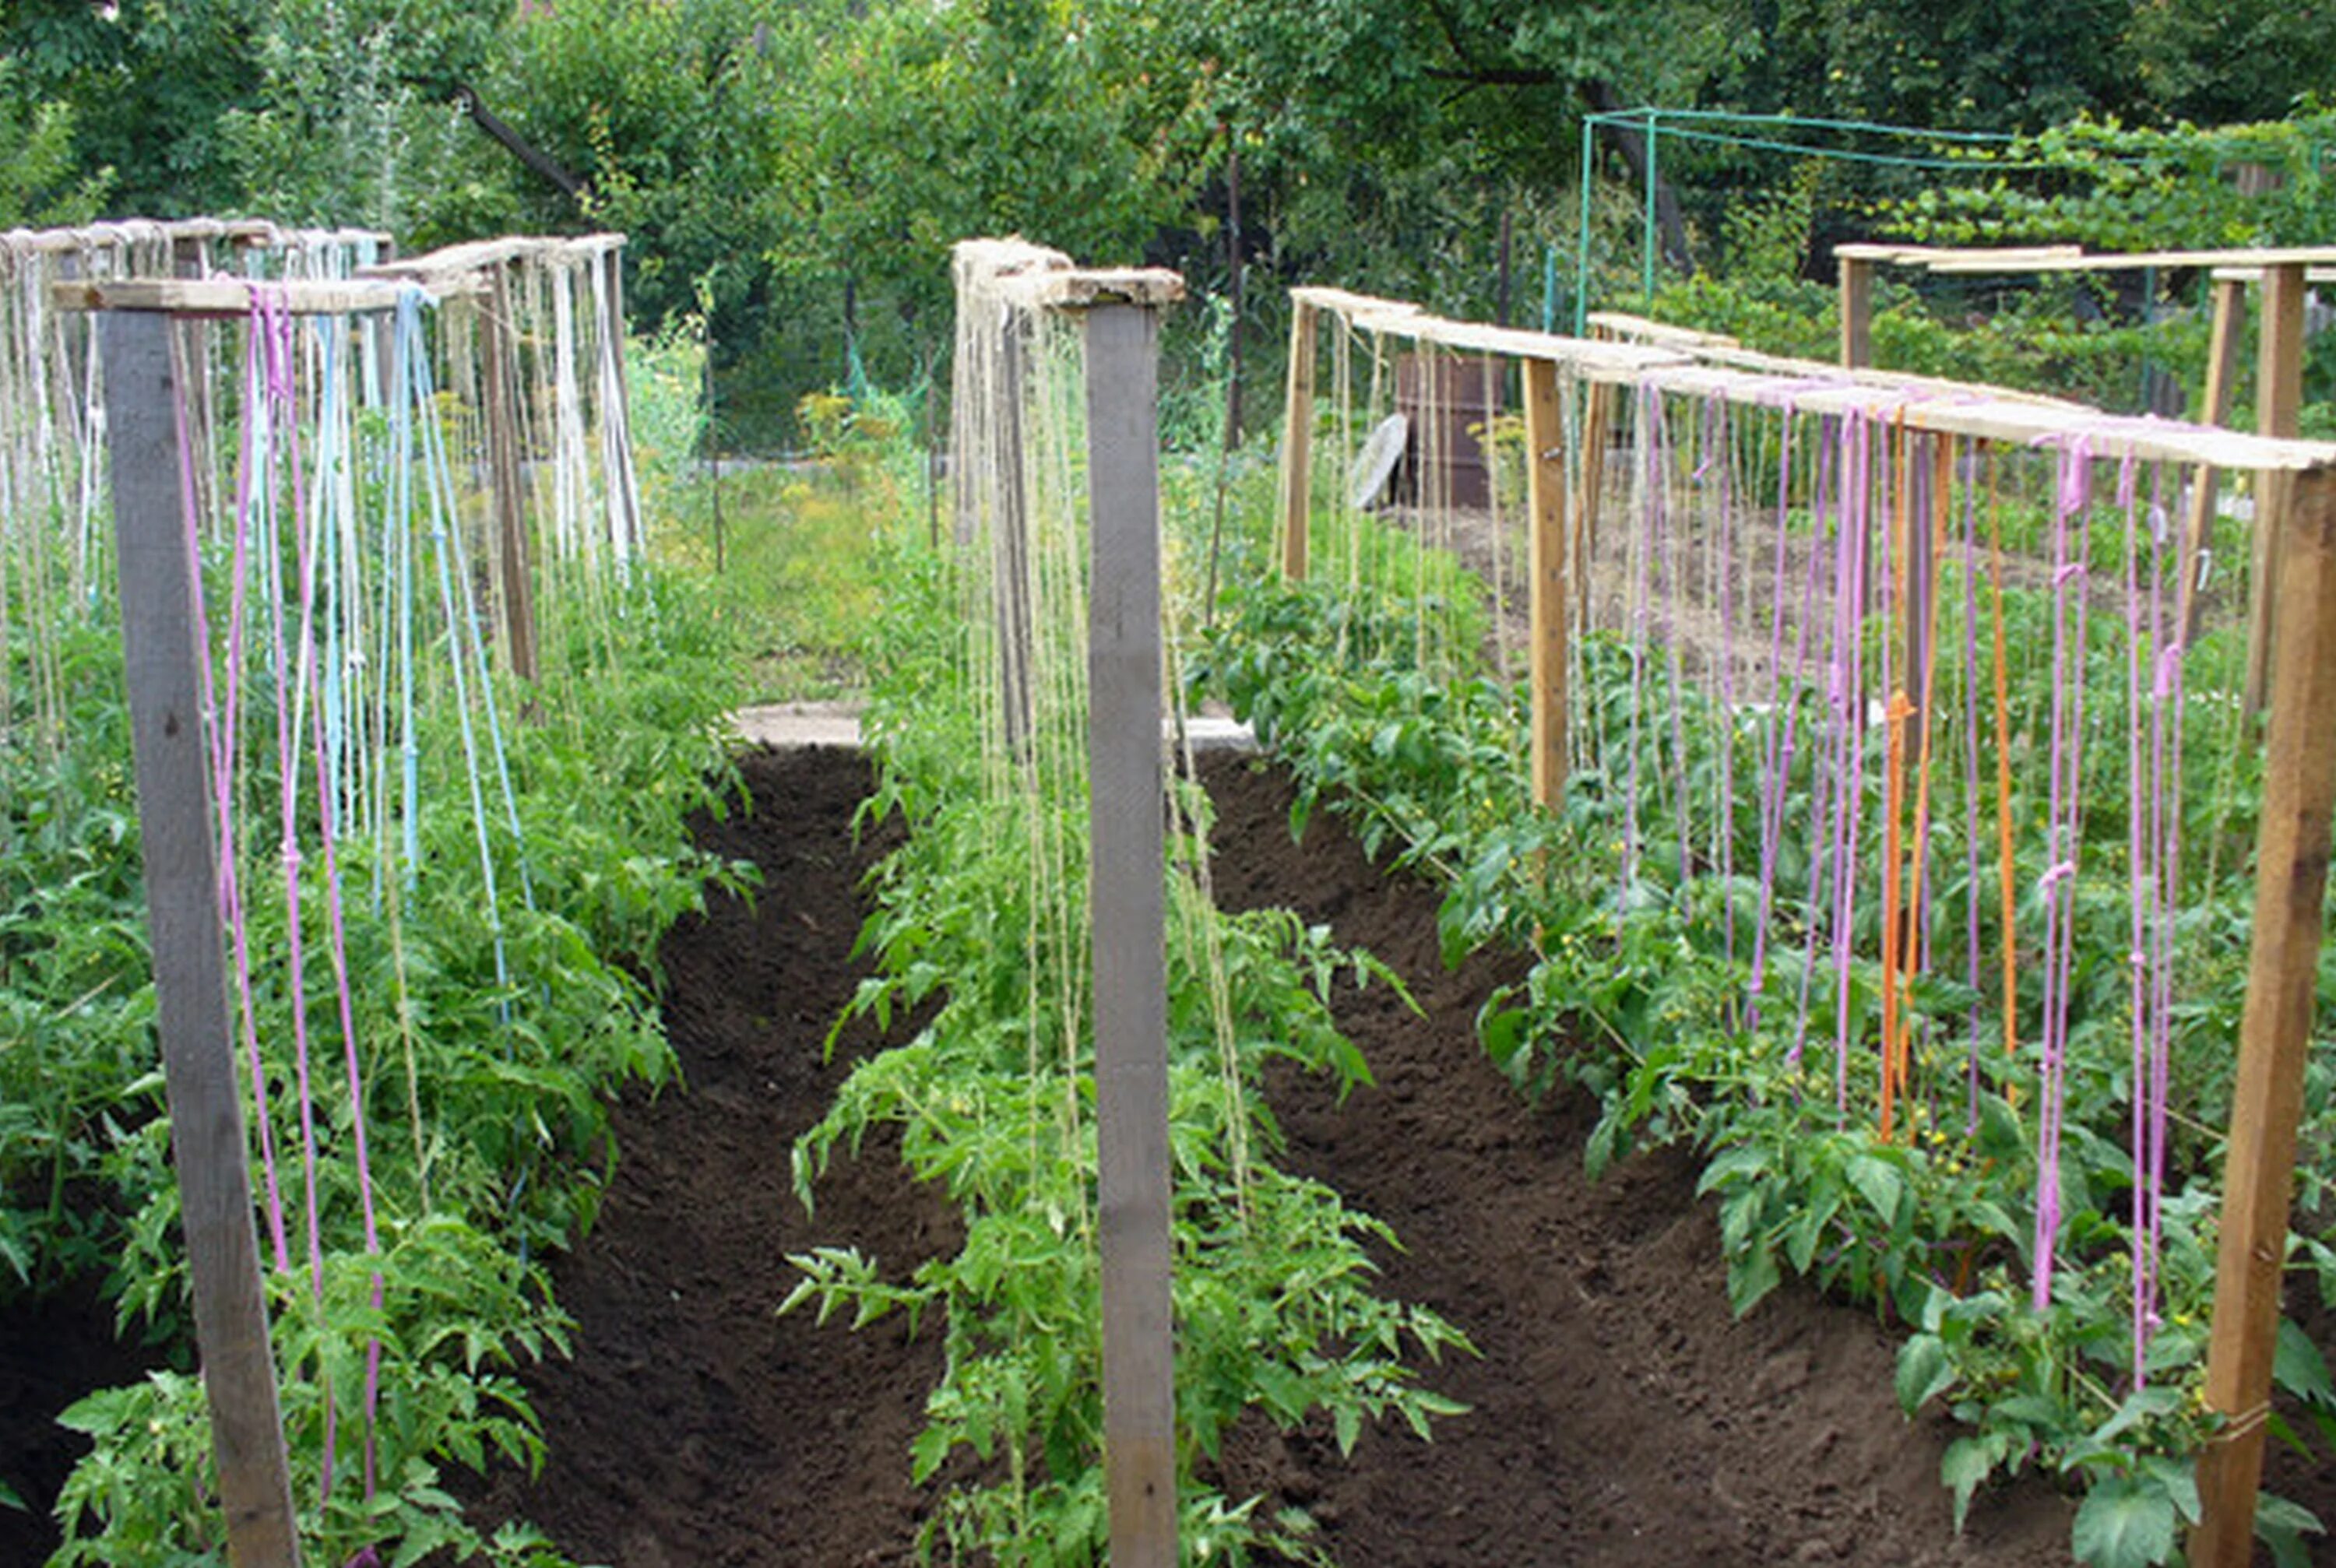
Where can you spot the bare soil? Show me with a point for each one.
(1619, 1417)
(53, 1352)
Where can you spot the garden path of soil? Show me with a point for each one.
(1620, 1417)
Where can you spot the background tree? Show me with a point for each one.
(42, 182)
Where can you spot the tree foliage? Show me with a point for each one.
(792, 173)
(2117, 187)
(41, 181)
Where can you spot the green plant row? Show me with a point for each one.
(488, 1079)
(979, 938)
(1640, 995)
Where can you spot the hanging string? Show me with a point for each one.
(1897, 543)
(1825, 515)
(1933, 517)
(220, 737)
(2063, 839)
(1971, 934)
(281, 391)
(1648, 502)
(1849, 709)
(2153, 667)
(459, 613)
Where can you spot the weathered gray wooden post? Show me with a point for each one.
(183, 900)
(1127, 815)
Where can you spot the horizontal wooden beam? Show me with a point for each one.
(1628, 328)
(2131, 260)
(254, 232)
(1943, 407)
(1344, 303)
(1920, 255)
(2254, 274)
(475, 255)
(1036, 277)
(1083, 288)
(228, 295)
(1948, 258)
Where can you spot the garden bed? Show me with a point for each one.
(53, 1350)
(1621, 1416)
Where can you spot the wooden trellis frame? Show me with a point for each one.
(2283, 273)
(159, 633)
(1119, 311)
(162, 659)
(2297, 515)
(481, 271)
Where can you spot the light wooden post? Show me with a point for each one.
(1856, 311)
(2279, 400)
(1297, 441)
(1123, 772)
(2275, 1031)
(1545, 503)
(2222, 374)
(506, 474)
(182, 859)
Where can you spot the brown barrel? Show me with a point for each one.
(1448, 401)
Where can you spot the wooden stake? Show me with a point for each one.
(1297, 441)
(1856, 310)
(2275, 1031)
(2222, 374)
(1546, 586)
(207, 1133)
(2279, 399)
(507, 475)
(1124, 773)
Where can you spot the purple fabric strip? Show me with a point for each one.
(1970, 795)
(221, 741)
(1724, 536)
(328, 831)
(1776, 745)
(1857, 518)
(1824, 512)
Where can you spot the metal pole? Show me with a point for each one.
(1590, 124)
(1647, 243)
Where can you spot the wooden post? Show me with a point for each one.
(1856, 311)
(2275, 1030)
(1298, 443)
(182, 911)
(2279, 399)
(506, 475)
(1128, 870)
(2222, 374)
(1546, 587)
